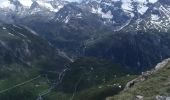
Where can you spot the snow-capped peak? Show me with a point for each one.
(23, 8)
(141, 5)
(26, 3)
(45, 5)
(7, 5)
(119, 13)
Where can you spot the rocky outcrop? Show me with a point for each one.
(158, 97)
(146, 74)
(139, 97)
(161, 64)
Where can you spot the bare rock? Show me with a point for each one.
(139, 97)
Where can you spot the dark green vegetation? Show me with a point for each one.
(25, 56)
(133, 45)
(94, 84)
(31, 66)
(90, 79)
(88, 72)
(98, 92)
(105, 42)
(95, 80)
(27, 91)
(20, 45)
(136, 51)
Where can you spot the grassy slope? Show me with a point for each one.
(27, 91)
(23, 56)
(98, 92)
(156, 84)
(92, 90)
(44, 60)
(31, 90)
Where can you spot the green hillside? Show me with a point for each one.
(155, 86)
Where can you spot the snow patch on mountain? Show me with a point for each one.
(26, 3)
(74, 0)
(45, 5)
(99, 11)
(154, 17)
(153, 1)
(11, 34)
(140, 14)
(7, 5)
(67, 19)
(49, 5)
(123, 26)
(128, 5)
(142, 9)
(79, 15)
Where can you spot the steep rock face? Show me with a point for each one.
(139, 51)
(23, 46)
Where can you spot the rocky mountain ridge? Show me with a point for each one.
(134, 14)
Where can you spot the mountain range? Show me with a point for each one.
(82, 28)
(145, 14)
(84, 49)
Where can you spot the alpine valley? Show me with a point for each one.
(84, 50)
